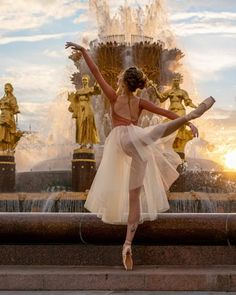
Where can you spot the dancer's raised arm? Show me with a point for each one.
(151, 107)
(106, 88)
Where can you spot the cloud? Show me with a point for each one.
(83, 18)
(55, 53)
(208, 66)
(226, 122)
(34, 38)
(224, 114)
(21, 14)
(32, 113)
(203, 22)
(203, 15)
(31, 108)
(188, 5)
(184, 29)
(35, 82)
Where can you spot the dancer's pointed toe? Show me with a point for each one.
(204, 106)
(127, 257)
(208, 102)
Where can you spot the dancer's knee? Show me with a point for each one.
(134, 194)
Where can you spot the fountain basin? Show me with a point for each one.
(200, 181)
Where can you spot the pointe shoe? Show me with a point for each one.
(201, 109)
(127, 256)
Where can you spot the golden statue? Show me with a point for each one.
(81, 107)
(9, 135)
(179, 98)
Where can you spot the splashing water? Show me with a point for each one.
(54, 140)
(148, 21)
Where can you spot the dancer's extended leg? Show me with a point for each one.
(174, 125)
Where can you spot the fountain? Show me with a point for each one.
(139, 37)
(199, 229)
(142, 37)
(147, 42)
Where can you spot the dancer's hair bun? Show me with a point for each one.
(134, 78)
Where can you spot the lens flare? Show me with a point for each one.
(230, 160)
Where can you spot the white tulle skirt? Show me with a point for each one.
(131, 159)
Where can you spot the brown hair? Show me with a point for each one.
(134, 78)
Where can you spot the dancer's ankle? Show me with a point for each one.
(128, 243)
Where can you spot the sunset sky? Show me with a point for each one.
(33, 59)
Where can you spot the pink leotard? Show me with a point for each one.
(118, 120)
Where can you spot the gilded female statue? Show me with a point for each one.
(81, 107)
(9, 135)
(179, 98)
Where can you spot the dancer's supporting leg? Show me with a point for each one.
(137, 173)
(134, 214)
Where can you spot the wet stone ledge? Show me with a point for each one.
(192, 202)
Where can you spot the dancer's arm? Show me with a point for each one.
(151, 107)
(107, 89)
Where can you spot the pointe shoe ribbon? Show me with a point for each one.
(201, 109)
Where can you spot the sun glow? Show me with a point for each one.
(230, 160)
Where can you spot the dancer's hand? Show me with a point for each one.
(74, 46)
(194, 130)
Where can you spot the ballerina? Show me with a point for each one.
(138, 164)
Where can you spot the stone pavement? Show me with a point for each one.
(198, 278)
(112, 293)
(147, 278)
